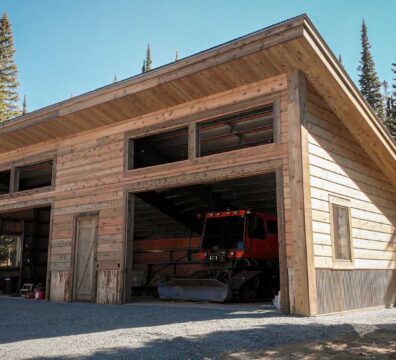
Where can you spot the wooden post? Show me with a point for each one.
(14, 180)
(283, 276)
(193, 141)
(303, 273)
(48, 278)
(128, 238)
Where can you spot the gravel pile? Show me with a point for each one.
(32, 329)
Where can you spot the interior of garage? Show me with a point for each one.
(24, 236)
(168, 226)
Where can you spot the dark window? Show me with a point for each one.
(342, 237)
(34, 176)
(158, 149)
(224, 233)
(256, 227)
(272, 226)
(237, 131)
(5, 182)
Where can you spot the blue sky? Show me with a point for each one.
(69, 47)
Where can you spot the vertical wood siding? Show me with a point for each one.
(341, 290)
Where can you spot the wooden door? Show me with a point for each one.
(84, 259)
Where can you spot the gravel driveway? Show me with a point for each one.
(32, 329)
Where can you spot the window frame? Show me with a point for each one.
(346, 204)
(223, 117)
(14, 179)
(15, 171)
(130, 148)
(192, 122)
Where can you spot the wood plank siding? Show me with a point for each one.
(91, 176)
(325, 147)
(339, 167)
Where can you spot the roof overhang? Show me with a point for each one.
(284, 47)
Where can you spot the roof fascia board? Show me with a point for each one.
(323, 51)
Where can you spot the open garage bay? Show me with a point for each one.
(169, 225)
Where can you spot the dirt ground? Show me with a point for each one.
(380, 344)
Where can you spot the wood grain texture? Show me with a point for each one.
(339, 166)
(341, 290)
(303, 268)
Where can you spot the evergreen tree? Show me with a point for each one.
(388, 101)
(394, 85)
(115, 78)
(177, 56)
(8, 72)
(148, 62)
(392, 105)
(370, 85)
(24, 106)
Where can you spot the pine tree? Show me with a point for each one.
(8, 72)
(394, 71)
(370, 85)
(148, 62)
(388, 101)
(392, 105)
(24, 106)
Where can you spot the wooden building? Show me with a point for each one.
(268, 121)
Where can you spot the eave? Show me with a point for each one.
(293, 44)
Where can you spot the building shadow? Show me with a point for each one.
(264, 342)
(29, 319)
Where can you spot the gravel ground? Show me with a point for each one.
(32, 329)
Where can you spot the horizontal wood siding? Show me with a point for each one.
(91, 178)
(340, 167)
(82, 168)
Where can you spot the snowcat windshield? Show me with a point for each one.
(224, 233)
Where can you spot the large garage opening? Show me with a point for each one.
(218, 233)
(24, 236)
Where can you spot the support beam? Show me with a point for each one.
(194, 150)
(165, 206)
(205, 193)
(126, 290)
(280, 211)
(303, 272)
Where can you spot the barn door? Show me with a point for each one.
(84, 259)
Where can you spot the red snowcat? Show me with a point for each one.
(240, 251)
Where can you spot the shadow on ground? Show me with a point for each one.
(254, 344)
(28, 319)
